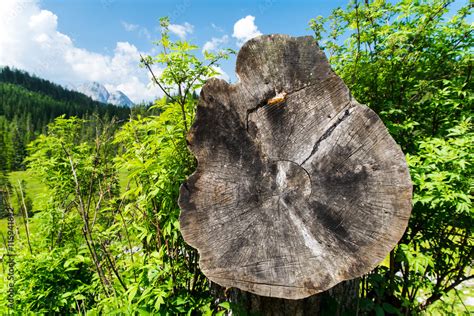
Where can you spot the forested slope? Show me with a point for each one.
(28, 104)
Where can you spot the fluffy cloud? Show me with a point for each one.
(30, 40)
(215, 43)
(222, 74)
(181, 30)
(245, 29)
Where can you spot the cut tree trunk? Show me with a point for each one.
(298, 186)
(341, 299)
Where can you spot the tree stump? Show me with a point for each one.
(298, 187)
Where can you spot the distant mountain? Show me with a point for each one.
(95, 91)
(119, 98)
(98, 92)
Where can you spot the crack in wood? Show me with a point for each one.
(326, 134)
(273, 95)
(252, 110)
(255, 282)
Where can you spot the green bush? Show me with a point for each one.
(411, 61)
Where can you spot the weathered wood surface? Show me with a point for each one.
(298, 187)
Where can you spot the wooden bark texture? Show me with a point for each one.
(298, 187)
(337, 301)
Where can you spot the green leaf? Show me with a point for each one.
(225, 305)
(132, 292)
(390, 309)
(379, 311)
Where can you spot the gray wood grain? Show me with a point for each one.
(298, 186)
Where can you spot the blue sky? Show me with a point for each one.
(97, 24)
(74, 41)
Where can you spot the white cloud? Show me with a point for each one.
(215, 43)
(245, 29)
(222, 74)
(142, 31)
(30, 40)
(129, 27)
(181, 30)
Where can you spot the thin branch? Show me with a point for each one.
(86, 231)
(354, 75)
(199, 75)
(25, 216)
(436, 296)
(147, 65)
(119, 209)
(107, 256)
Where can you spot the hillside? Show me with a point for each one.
(28, 104)
(55, 91)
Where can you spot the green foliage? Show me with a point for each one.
(5, 188)
(83, 185)
(98, 251)
(157, 160)
(55, 281)
(184, 73)
(412, 64)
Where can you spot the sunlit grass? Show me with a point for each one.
(34, 189)
(37, 191)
